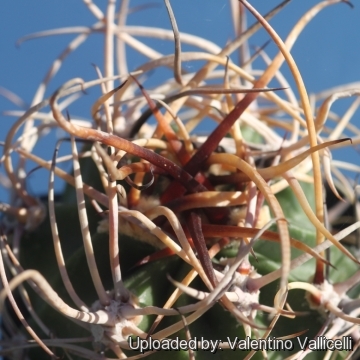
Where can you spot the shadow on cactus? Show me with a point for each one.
(168, 240)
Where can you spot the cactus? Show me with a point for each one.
(165, 239)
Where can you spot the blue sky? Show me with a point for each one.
(327, 53)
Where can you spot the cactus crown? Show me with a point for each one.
(162, 230)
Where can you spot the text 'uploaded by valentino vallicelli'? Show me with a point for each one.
(320, 343)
